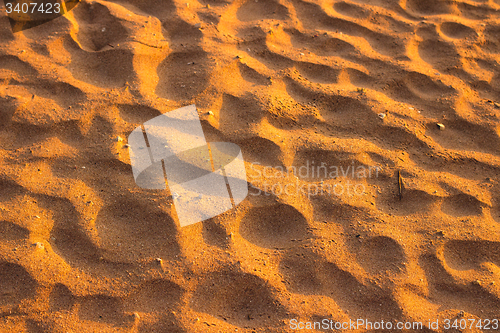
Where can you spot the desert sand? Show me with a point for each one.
(352, 83)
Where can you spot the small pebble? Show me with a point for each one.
(440, 126)
(210, 113)
(126, 145)
(381, 115)
(119, 139)
(497, 105)
(39, 245)
(208, 6)
(158, 260)
(136, 316)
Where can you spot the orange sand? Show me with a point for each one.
(290, 82)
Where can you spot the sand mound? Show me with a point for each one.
(411, 236)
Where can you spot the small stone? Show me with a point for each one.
(126, 145)
(382, 115)
(210, 113)
(136, 316)
(461, 313)
(119, 139)
(497, 105)
(39, 245)
(208, 6)
(159, 260)
(440, 126)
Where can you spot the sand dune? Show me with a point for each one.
(350, 84)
